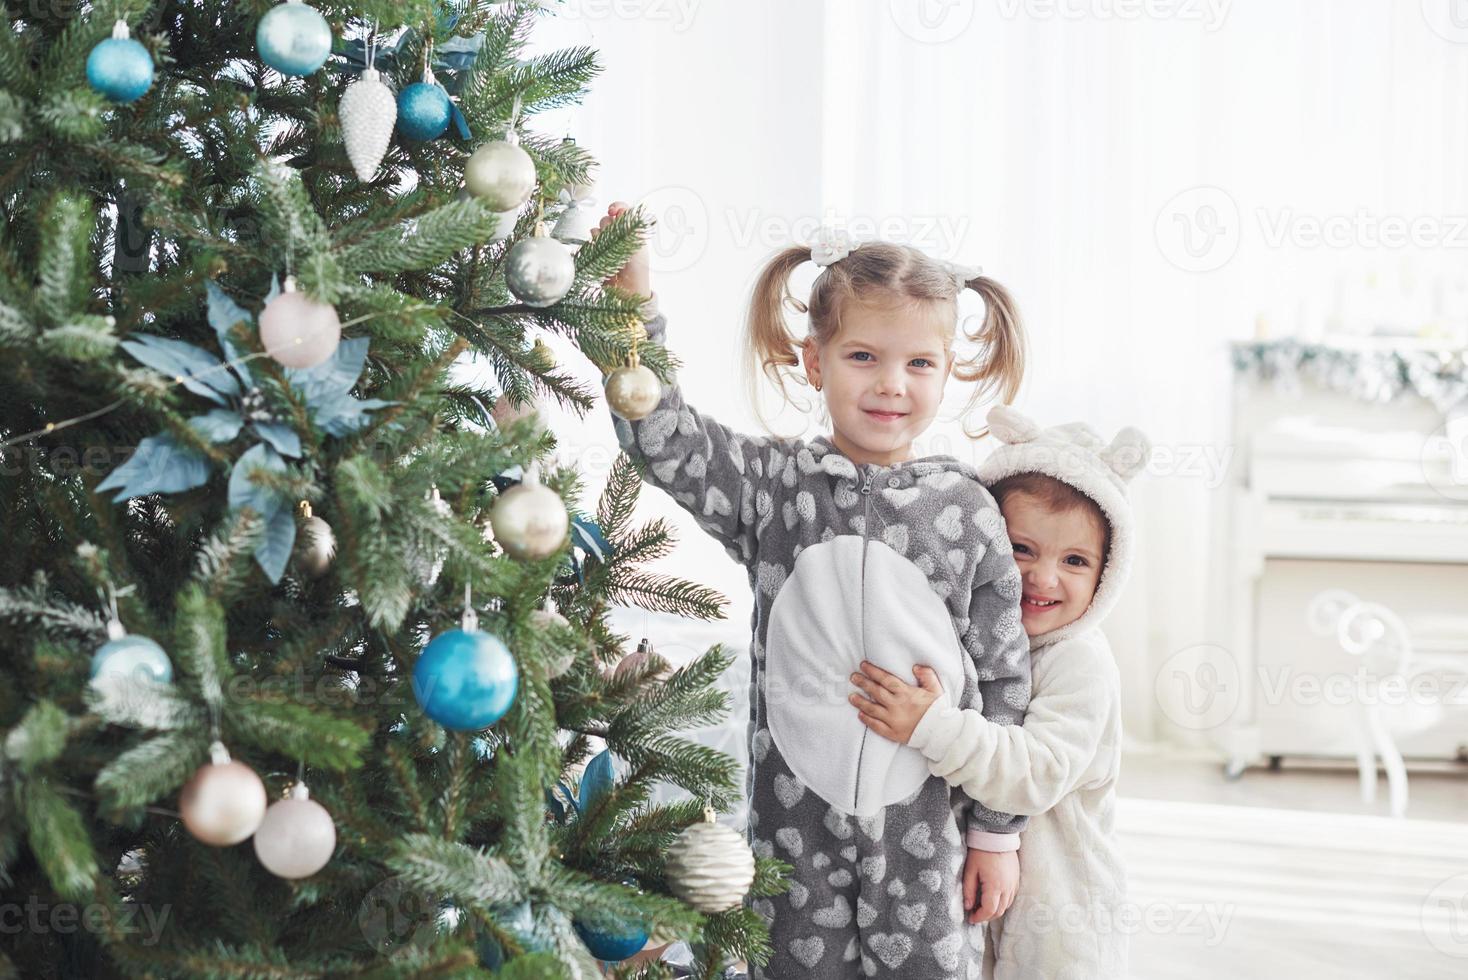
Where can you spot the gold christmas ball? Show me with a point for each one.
(500, 173)
(530, 520)
(633, 391)
(317, 546)
(223, 802)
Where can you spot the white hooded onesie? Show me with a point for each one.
(1067, 921)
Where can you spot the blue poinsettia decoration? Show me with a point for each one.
(163, 464)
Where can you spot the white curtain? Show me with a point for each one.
(1143, 174)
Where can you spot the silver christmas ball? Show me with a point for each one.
(539, 270)
(530, 520)
(710, 866)
(367, 112)
(223, 802)
(501, 173)
(317, 544)
(633, 391)
(297, 836)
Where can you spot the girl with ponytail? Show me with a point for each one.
(859, 552)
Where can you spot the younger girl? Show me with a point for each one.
(856, 550)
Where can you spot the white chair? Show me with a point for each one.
(1378, 639)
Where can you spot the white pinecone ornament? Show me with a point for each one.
(368, 111)
(710, 866)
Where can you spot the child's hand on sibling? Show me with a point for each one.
(990, 879)
(636, 275)
(892, 708)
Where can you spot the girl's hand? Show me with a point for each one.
(990, 879)
(892, 708)
(636, 275)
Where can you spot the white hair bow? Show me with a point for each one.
(831, 245)
(962, 274)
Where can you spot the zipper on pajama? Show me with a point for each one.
(866, 489)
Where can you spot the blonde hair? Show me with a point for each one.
(884, 273)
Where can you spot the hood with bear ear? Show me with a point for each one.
(1076, 455)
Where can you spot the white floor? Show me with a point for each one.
(1283, 874)
(1288, 874)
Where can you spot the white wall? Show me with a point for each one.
(1059, 145)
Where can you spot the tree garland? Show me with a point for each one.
(1438, 376)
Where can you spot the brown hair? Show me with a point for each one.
(1056, 496)
(879, 273)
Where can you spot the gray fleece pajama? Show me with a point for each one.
(900, 565)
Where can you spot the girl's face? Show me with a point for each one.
(882, 377)
(1059, 559)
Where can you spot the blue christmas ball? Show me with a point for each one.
(615, 944)
(120, 68)
(131, 656)
(293, 38)
(423, 111)
(465, 679)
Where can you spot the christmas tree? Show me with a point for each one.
(308, 666)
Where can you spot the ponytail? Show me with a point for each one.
(1000, 368)
(769, 344)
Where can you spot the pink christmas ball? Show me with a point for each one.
(223, 803)
(299, 332)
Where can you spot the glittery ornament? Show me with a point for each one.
(367, 112)
(424, 110)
